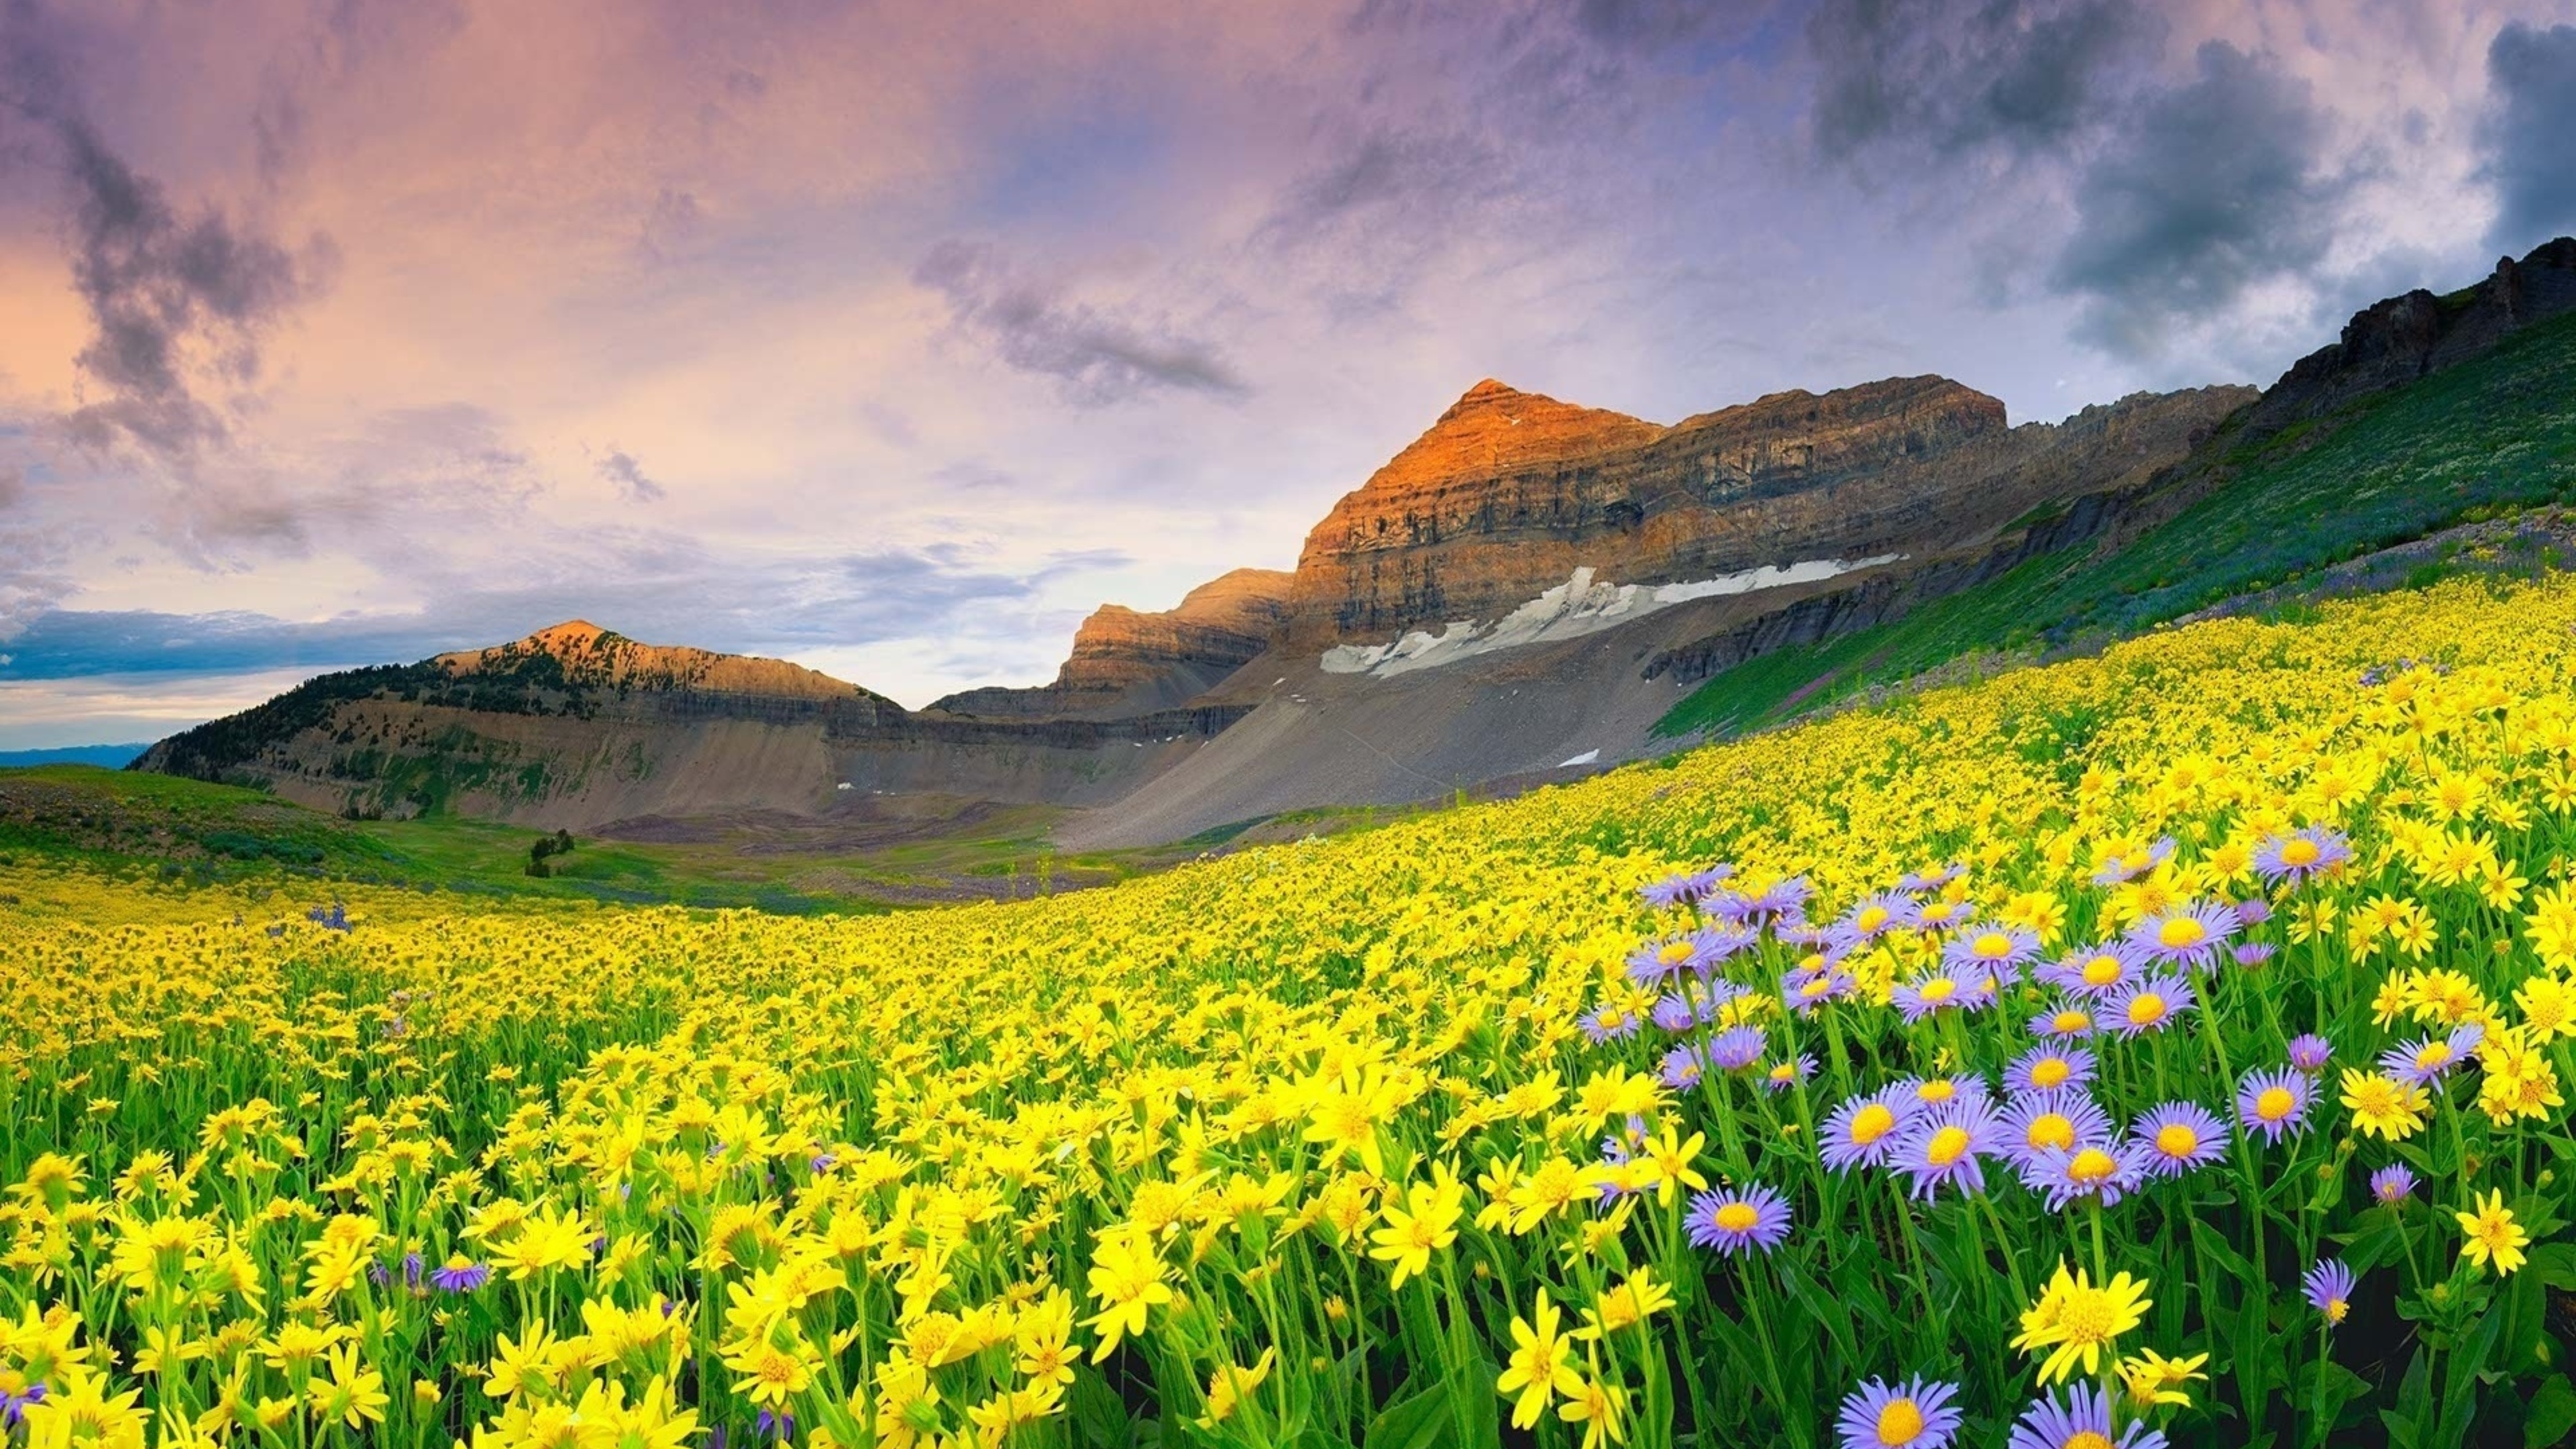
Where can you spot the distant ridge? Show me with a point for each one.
(106, 757)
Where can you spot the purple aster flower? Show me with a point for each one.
(2430, 1060)
(2301, 854)
(1786, 899)
(2252, 911)
(1932, 991)
(1863, 1131)
(2274, 1103)
(1784, 1075)
(1996, 948)
(1738, 1222)
(2252, 953)
(1802, 935)
(1736, 1048)
(2046, 1068)
(2129, 865)
(2103, 1174)
(1931, 880)
(411, 1271)
(781, 1427)
(2096, 971)
(1662, 960)
(2080, 1420)
(2178, 1137)
(1685, 889)
(2149, 1004)
(1610, 1021)
(2310, 1052)
(379, 1274)
(1940, 914)
(820, 1163)
(2186, 935)
(1948, 1145)
(2069, 1020)
(1806, 990)
(1682, 1068)
(1942, 1091)
(2329, 1286)
(13, 1407)
(2392, 1184)
(1875, 915)
(1914, 1414)
(2044, 1122)
(1695, 1003)
(460, 1275)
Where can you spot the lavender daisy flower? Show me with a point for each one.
(1660, 961)
(1784, 1075)
(2081, 1420)
(1682, 1068)
(1876, 914)
(1673, 1015)
(2252, 953)
(1947, 1145)
(2329, 1286)
(2392, 1184)
(1995, 948)
(1931, 880)
(1940, 914)
(1687, 888)
(2128, 865)
(1736, 1048)
(1914, 1414)
(2178, 1137)
(2252, 911)
(779, 1426)
(2047, 1122)
(1786, 899)
(2186, 935)
(1695, 1003)
(2148, 1005)
(1610, 1021)
(2096, 971)
(1942, 1091)
(2301, 854)
(1802, 935)
(1732, 1222)
(460, 1275)
(2428, 1061)
(13, 1407)
(2047, 1068)
(2065, 1021)
(1863, 1131)
(2310, 1052)
(2274, 1103)
(2102, 1174)
(1806, 992)
(411, 1271)
(1933, 991)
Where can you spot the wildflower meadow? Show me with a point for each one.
(2162, 1047)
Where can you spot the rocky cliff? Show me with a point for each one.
(1125, 661)
(2402, 338)
(1510, 492)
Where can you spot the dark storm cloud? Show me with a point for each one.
(1096, 354)
(621, 469)
(2529, 134)
(1905, 76)
(2210, 188)
(170, 295)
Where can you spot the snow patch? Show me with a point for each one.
(1572, 609)
(1588, 757)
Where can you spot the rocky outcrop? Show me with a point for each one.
(2393, 342)
(1509, 493)
(582, 657)
(1125, 661)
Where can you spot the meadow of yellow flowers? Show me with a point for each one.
(2163, 1047)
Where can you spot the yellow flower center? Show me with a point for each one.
(2434, 1054)
(1870, 918)
(2071, 1020)
(1900, 1423)
(2087, 1317)
(2336, 1308)
(1938, 989)
(1936, 1091)
(1993, 945)
(2274, 1104)
(2177, 1139)
(2101, 970)
(2299, 850)
(1871, 1123)
(2051, 1072)
(2092, 1165)
(2180, 932)
(1947, 1146)
(2052, 1129)
(2147, 1009)
(2087, 1439)
(1675, 951)
(1737, 1217)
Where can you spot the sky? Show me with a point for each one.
(894, 338)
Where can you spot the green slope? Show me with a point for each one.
(2488, 436)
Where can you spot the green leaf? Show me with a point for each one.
(1097, 1410)
(2553, 1264)
(2460, 1386)
(1418, 1422)
(1827, 1310)
(2551, 1414)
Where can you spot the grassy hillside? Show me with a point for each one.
(2489, 436)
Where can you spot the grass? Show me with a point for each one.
(2488, 436)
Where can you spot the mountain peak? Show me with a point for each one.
(1490, 387)
(570, 634)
